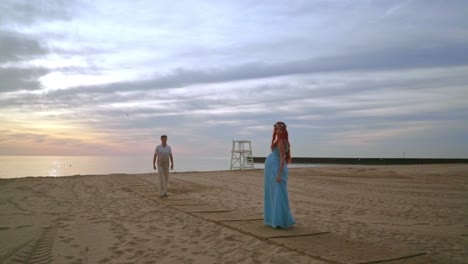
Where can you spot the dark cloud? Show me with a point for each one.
(25, 12)
(397, 58)
(16, 46)
(14, 79)
(18, 49)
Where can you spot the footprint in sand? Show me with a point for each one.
(67, 240)
(141, 240)
(132, 243)
(23, 226)
(106, 260)
(119, 252)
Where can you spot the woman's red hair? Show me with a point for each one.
(284, 136)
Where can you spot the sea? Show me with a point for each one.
(58, 166)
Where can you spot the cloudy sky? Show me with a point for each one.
(350, 78)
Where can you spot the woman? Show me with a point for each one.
(277, 213)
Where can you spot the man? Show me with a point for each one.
(163, 154)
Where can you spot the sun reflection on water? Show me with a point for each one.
(55, 170)
(53, 173)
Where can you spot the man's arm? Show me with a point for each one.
(172, 161)
(154, 160)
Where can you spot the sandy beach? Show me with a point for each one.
(345, 214)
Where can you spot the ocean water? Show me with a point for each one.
(55, 166)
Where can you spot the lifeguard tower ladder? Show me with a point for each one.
(241, 155)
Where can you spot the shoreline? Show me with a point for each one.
(413, 212)
(371, 161)
(293, 167)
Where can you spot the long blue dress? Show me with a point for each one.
(277, 213)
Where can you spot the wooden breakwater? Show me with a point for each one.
(368, 161)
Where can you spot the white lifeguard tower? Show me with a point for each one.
(241, 155)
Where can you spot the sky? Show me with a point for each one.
(350, 78)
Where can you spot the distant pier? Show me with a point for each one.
(368, 161)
